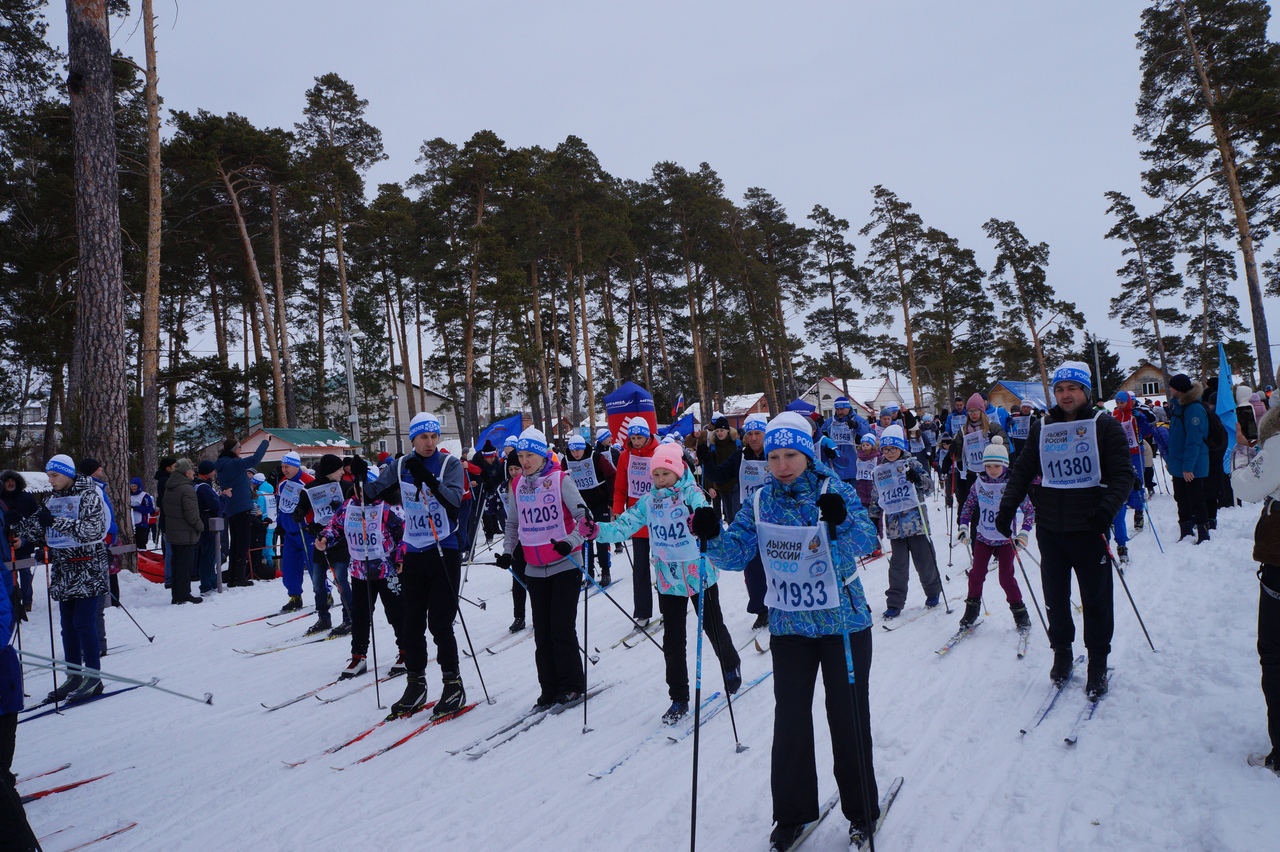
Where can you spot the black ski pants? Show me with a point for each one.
(675, 609)
(1191, 501)
(429, 600)
(641, 579)
(1269, 648)
(518, 592)
(238, 527)
(554, 601)
(16, 833)
(794, 778)
(1085, 553)
(365, 595)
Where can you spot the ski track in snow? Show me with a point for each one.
(1160, 766)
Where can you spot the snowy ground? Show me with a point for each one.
(1162, 766)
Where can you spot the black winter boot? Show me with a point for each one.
(1062, 665)
(1186, 529)
(1137, 519)
(1202, 533)
(452, 698)
(1096, 684)
(415, 696)
(971, 607)
(1021, 618)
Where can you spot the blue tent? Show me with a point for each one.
(628, 401)
(801, 406)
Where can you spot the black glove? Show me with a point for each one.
(1101, 522)
(1004, 523)
(418, 470)
(561, 547)
(335, 505)
(831, 509)
(266, 522)
(503, 560)
(828, 454)
(913, 476)
(314, 530)
(359, 468)
(706, 523)
(45, 517)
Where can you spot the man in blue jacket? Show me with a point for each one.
(1188, 456)
(233, 474)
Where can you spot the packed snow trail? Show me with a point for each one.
(1173, 731)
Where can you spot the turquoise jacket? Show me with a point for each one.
(674, 578)
(796, 504)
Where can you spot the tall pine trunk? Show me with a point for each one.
(149, 342)
(101, 408)
(540, 348)
(282, 321)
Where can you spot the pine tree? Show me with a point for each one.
(892, 258)
(1214, 314)
(957, 327)
(837, 279)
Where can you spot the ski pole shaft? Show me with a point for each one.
(48, 591)
(586, 643)
(1125, 583)
(461, 618)
(697, 701)
(613, 601)
(368, 594)
(131, 618)
(85, 671)
(1031, 591)
(715, 644)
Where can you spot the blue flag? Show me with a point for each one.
(498, 431)
(1225, 405)
(684, 425)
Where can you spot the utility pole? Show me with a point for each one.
(352, 417)
(1097, 366)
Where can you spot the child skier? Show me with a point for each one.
(593, 473)
(984, 498)
(868, 458)
(901, 484)
(667, 510)
(371, 530)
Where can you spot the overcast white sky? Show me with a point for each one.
(1017, 109)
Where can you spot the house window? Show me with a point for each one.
(1150, 388)
(382, 446)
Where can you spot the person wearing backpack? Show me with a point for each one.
(1217, 490)
(1188, 456)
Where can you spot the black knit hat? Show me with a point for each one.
(1181, 383)
(329, 463)
(88, 466)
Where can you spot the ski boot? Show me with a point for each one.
(1186, 530)
(890, 613)
(1021, 618)
(398, 667)
(517, 624)
(1122, 553)
(785, 835)
(761, 622)
(87, 688)
(293, 605)
(343, 629)
(733, 680)
(1202, 533)
(1096, 684)
(323, 623)
(355, 667)
(68, 686)
(859, 834)
(677, 711)
(415, 696)
(1137, 520)
(1062, 665)
(605, 579)
(931, 601)
(971, 606)
(452, 698)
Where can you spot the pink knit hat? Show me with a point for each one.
(976, 401)
(668, 456)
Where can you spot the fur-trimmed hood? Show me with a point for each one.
(1193, 395)
(1269, 426)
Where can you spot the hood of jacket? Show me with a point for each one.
(1269, 425)
(20, 484)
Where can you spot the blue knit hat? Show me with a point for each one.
(755, 423)
(869, 438)
(638, 426)
(511, 441)
(842, 402)
(61, 464)
(577, 442)
(292, 458)
(1074, 371)
(788, 431)
(422, 423)
(893, 436)
(533, 441)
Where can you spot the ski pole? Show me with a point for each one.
(368, 594)
(586, 643)
(1106, 544)
(48, 591)
(1146, 507)
(461, 618)
(739, 748)
(621, 609)
(131, 618)
(864, 771)
(951, 490)
(77, 669)
(697, 699)
(928, 535)
(1031, 591)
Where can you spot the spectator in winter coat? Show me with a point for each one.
(210, 508)
(183, 528)
(141, 508)
(73, 523)
(233, 474)
(163, 473)
(1188, 458)
(17, 504)
(1075, 466)
(715, 447)
(17, 831)
(1259, 481)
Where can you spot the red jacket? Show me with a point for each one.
(621, 502)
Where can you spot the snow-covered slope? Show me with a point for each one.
(1161, 766)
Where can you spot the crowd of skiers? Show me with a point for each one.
(782, 498)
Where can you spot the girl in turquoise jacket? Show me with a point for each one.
(682, 572)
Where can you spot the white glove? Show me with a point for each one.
(962, 535)
(1021, 541)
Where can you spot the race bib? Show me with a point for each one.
(419, 518)
(866, 469)
(540, 509)
(1020, 426)
(288, 495)
(842, 433)
(270, 500)
(894, 492)
(669, 535)
(66, 509)
(751, 475)
(583, 472)
(797, 567)
(322, 497)
(362, 528)
(1130, 433)
(974, 445)
(1069, 455)
(916, 445)
(989, 494)
(639, 482)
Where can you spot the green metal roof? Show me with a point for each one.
(311, 437)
